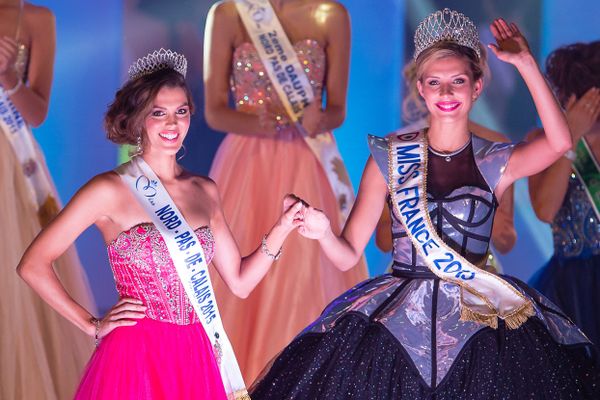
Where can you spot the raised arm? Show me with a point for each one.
(243, 274)
(532, 157)
(32, 98)
(345, 250)
(219, 40)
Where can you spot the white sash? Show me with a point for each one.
(25, 148)
(190, 262)
(485, 297)
(294, 90)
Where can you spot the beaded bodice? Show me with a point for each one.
(143, 270)
(576, 228)
(462, 212)
(251, 86)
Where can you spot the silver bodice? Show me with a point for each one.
(464, 218)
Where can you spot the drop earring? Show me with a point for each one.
(138, 147)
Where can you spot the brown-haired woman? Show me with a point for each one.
(32, 365)
(439, 326)
(152, 343)
(567, 194)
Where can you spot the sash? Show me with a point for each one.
(190, 263)
(587, 169)
(20, 137)
(295, 92)
(485, 297)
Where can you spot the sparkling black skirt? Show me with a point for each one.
(360, 358)
(573, 284)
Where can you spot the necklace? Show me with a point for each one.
(448, 156)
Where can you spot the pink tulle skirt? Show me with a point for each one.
(153, 360)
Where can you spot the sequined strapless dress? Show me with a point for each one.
(399, 336)
(167, 354)
(571, 278)
(253, 175)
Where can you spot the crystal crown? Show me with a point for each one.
(447, 25)
(157, 60)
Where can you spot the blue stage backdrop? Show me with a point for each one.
(97, 41)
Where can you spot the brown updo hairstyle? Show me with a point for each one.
(124, 120)
(413, 106)
(574, 69)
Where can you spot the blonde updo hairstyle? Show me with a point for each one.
(413, 106)
(124, 120)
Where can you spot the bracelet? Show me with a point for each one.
(265, 249)
(15, 89)
(570, 155)
(96, 322)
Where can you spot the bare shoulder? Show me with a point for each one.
(334, 7)
(223, 22)
(336, 13)
(39, 13)
(107, 185)
(40, 22)
(224, 10)
(337, 20)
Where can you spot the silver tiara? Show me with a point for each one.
(446, 25)
(157, 60)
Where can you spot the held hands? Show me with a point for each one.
(511, 47)
(125, 313)
(292, 216)
(315, 224)
(583, 113)
(312, 223)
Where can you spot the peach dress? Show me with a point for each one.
(253, 175)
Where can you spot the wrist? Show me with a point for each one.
(96, 330)
(90, 327)
(526, 61)
(264, 248)
(281, 228)
(327, 235)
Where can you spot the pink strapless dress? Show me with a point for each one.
(253, 175)
(166, 355)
